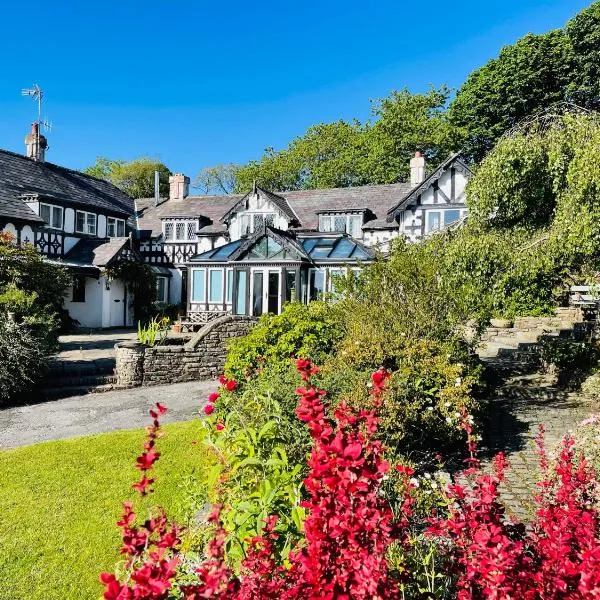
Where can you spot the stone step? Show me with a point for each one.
(79, 381)
(67, 392)
(65, 369)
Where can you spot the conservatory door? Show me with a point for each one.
(265, 291)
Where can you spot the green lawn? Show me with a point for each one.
(59, 502)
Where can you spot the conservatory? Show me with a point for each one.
(260, 273)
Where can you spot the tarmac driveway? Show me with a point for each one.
(98, 413)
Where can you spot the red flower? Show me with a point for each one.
(222, 380)
(231, 385)
(219, 426)
(162, 409)
(209, 409)
(213, 397)
(143, 485)
(146, 460)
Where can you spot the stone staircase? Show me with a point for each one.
(67, 378)
(523, 396)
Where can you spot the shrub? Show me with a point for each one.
(22, 361)
(308, 331)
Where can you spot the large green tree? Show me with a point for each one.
(528, 76)
(343, 154)
(135, 178)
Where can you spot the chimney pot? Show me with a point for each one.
(417, 169)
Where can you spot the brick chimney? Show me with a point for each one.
(179, 186)
(36, 143)
(417, 169)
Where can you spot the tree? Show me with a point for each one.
(526, 77)
(220, 179)
(344, 154)
(135, 178)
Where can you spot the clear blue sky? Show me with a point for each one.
(198, 82)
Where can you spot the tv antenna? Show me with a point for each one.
(37, 94)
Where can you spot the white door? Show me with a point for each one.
(266, 291)
(117, 303)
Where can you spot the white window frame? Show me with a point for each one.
(327, 223)
(186, 235)
(86, 225)
(115, 223)
(441, 211)
(228, 286)
(53, 208)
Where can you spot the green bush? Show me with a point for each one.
(22, 360)
(306, 331)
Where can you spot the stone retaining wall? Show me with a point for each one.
(203, 357)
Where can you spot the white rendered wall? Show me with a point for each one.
(101, 226)
(69, 220)
(27, 236)
(88, 313)
(10, 228)
(257, 204)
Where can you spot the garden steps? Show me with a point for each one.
(67, 378)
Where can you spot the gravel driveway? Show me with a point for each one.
(98, 413)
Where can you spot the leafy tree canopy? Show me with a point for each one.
(135, 178)
(561, 65)
(342, 153)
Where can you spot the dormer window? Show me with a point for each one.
(115, 227)
(52, 215)
(350, 223)
(180, 231)
(252, 222)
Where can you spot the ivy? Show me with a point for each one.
(141, 283)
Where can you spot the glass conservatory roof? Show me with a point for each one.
(335, 248)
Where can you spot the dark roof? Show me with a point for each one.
(95, 252)
(379, 224)
(212, 207)
(452, 161)
(21, 176)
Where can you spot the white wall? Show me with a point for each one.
(69, 220)
(27, 235)
(101, 226)
(88, 313)
(257, 204)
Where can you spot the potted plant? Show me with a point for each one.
(176, 327)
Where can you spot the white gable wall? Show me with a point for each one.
(257, 204)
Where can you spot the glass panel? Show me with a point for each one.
(120, 228)
(45, 213)
(229, 295)
(259, 250)
(433, 220)
(339, 223)
(309, 245)
(161, 289)
(321, 252)
(110, 227)
(215, 285)
(191, 231)
(244, 225)
(273, 248)
(270, 218)
(90, 223)
(334, 274)
(168, 231)
(316, 284)
(79, 289)
(180, 231)
(79, 221)
(324, 223)
(242, 290)
(355, 226)
(198, 286)
(257, 294)
(291, 290)
(258, 221)
(225, 251)
(343, 249)
(57, 217)
(273, 302)
(451, 216)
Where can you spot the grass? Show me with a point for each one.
(59, 502)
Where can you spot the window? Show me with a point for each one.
(52, 215)
(345, 223)
(436, 219)
(242, 292)
(162, 290)
(229, 295)
(85, 222)
(198, 285)
(316, 284)
(78, 289)
(334, 275)
(215, 285)
(180, 231)
(253, 222)
(115, 227)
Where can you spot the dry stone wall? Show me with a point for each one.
(203, 357)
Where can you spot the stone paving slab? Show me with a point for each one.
(99, 413)
(91, 345)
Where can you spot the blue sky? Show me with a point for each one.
(197, 83)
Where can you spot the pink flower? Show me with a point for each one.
(219, 426)
(213, 397)
(209, 409)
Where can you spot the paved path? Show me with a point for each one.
(93, 345)
(98, 413)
